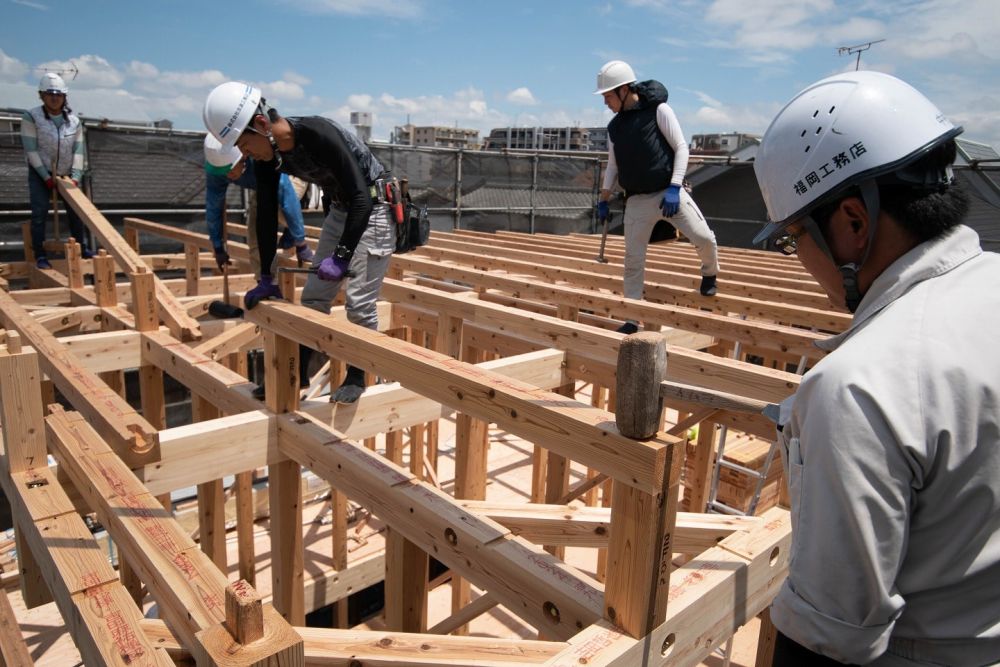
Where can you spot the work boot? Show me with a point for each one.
(286, 241)
(265, 289)
(352, 388)
(42, 262)
(304, 253)
(628, 328)
(708, 287)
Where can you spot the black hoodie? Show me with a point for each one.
(645, 159)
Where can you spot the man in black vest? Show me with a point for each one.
(648, 156)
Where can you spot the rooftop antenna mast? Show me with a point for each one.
(72, 69)
(857, 48)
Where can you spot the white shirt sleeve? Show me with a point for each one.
(667, 121)
(611, 173)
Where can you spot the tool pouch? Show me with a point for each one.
(415, 231)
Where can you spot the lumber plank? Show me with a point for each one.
(521, 576)
(573, 429)
(182, 324)
(132, 437)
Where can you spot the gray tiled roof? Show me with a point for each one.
(574, 202)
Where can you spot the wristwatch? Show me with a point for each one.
(343, 253)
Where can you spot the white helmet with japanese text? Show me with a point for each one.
(845, 130)
(228, 110)
(614, 73)
(220, 159)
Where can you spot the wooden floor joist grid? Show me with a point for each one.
(480, 334)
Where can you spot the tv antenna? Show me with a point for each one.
(72, 69)
(857, 48)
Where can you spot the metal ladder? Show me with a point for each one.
(715, 505)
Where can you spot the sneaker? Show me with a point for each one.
(286, 241)
(708, 287)
(42, 262)
(304, 253)
(628, 328)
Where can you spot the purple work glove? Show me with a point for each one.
(671, 201)
(332, 268)
(265, 289)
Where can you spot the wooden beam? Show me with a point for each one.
(133, 438)
(524, 578)
(568, 427)
(180, 323)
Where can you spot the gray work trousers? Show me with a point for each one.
(642, 212)
(369, 265)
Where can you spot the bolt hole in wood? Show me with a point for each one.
(668, 645)
(451, 536)
(551, 612)
(774, 556)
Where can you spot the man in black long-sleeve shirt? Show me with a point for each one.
(355, 243)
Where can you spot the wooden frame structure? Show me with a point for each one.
(487, 329)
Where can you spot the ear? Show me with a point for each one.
(853, 215)
(260, 123)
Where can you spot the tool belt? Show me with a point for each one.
(416, 231)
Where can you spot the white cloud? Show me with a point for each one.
(521, 96)
(397, 9)
(11, 69)
(93, 72)
(33, 5)
(940, 28)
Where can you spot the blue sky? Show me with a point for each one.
(729, 64)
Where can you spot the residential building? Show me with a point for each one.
(722, 144)
(438, 136)
(548, 138)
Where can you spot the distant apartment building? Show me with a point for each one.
(436, 135)
(362, 122)
(548, 138)
(722, 144)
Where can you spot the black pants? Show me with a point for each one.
(788, 653)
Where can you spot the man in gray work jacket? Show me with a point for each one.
(892, 443)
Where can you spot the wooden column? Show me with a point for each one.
(24, 446)
(406, 564)
(281, 378)
(211, 498)
(471, 456)
(244, 497)
(192, 268)
(642, 524)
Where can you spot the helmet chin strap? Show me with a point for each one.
(849, 271)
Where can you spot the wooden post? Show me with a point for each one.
(338, 514)
(74, 269)
(406, 564)
(471, 455)
(244, 497)
(192, 268)
(642, 524)
(281, 379)
(244, 612)
(147, 318)
(211, 498)
(24, 445)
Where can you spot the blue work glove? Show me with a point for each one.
(671, 201)
(332, 268)
(603, 211)
(221, 258)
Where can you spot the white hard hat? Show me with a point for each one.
(839, 132)
(228, 110)
(52, 83)
(614, 73)
(219, 156)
